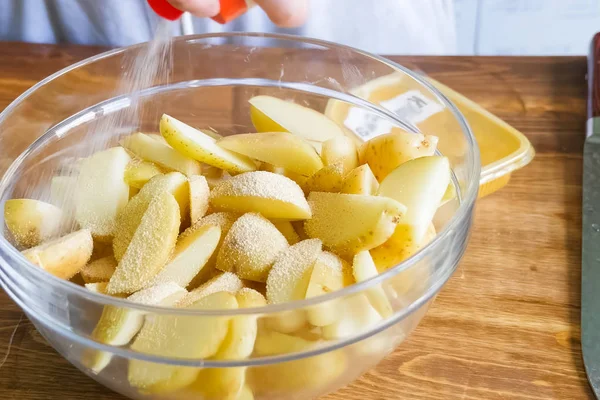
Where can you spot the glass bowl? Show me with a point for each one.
(209, 87)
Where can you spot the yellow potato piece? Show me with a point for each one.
(63, 257)
(101, 192)
(99, 270)
(272, 195)
(251, 247)
(364, 268)
(327, 179)
(276, 148)
(150, 149)
(386, 152)
(130, 217)
(199, 194)
(287, 230)
(299, 179)
(287, 321)
(303, 377)
(117, 326)
(350, 223)
(224, 282)
(139, 172)
(190, 337)
(340, 149)
(419, 184)
(356, 316)
(219, 383)
(290, 275)
(270, 114)
(199, 146)
(150, 247)
(31, 221)
(360, 181)
(192, 251)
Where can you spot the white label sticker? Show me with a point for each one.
(411, 107)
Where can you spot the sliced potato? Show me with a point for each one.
(360, 181)
(287, 230)
(63, 257)
(117, 326)
(299, 179)
(327, 179)
(239, 342)
(139, 172)
(386, 152)
(287, 321)
(199, 194)
(219, 383)
(290, 275)
(199, 146)
(356, 315)
(31, 221)
(420, 184)
(224, 282)
(340, 149)
(101, 192)
(190, 337)
(276, 148)
(150, 149)
(350, 223)
(150, 247)
(270, 114)
(272, 195)
(130, 217)
(99, 270)
(364, 268)
(251, 247)
(192, 251)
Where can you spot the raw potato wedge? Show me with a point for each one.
(288, 231)
(192, 251)
(117, 326)
(150, 149)
(190, 337)
(364, 268)
(356, 315)
(350, 223)
(150, 247)
(63, 257)
(386, 152)
(199, 194)
(99, 270)
(31, 221)
(224, 282)
(219, 383)
(239, 342)
(199, 146)
(327, 179)
(101, 192)
(130, 217)
(340, 149)
(301, 378)
(270, 114)
(290, 275)
(272, 195)
(360, 181)
(139, 172)
(420, 184)
(251, 247)
(276, 148)
(330, 273)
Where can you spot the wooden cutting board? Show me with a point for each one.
(506, 326)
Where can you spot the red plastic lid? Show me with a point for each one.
(230, 10)
(165, 9)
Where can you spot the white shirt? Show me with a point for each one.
(380, 26)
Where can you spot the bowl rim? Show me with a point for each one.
(462, 213)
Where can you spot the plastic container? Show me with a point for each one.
(502, 148)
(213, 78)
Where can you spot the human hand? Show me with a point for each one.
(284, 13)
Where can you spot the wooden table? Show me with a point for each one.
(506, 326)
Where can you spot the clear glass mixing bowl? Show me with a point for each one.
(212, 79)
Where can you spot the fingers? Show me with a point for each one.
(285, 13)
(199, 8)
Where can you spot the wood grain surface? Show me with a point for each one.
(506, 326)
